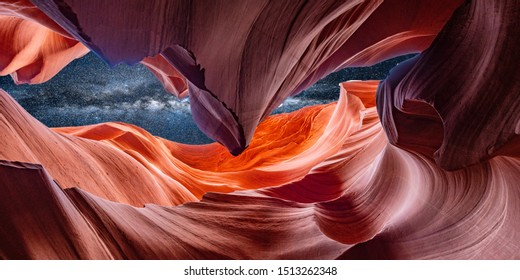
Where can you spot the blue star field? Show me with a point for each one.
(88, 91)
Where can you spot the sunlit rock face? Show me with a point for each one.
(362, 178)
(267, 50)
(286, 148)
(33, 47)
(366, 199)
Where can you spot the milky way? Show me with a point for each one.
(88, 91)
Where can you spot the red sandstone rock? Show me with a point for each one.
(33, 48)
(461, 96)
(367, 200)
(242, 59)
(321, 183)
(172, 80)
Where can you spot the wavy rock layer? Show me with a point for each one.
(470, 110)
(33, 48)
(347, 206)
(273, 49)
(321, 183)
(172, 80)
(285, 149)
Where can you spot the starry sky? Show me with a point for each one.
(88, 91)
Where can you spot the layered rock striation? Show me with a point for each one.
(422, 165)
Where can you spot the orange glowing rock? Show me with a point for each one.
(285, 148)
(33, 48)
(241, 59)
(172, 80)
(367, 199)
(324, 182)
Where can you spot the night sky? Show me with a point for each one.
(88, 91)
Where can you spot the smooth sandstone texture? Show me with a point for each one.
(461, 96)
(363, 178)
(33, 48)
(286, 148)
(172, 80)
(241, 59)
(347, 206)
